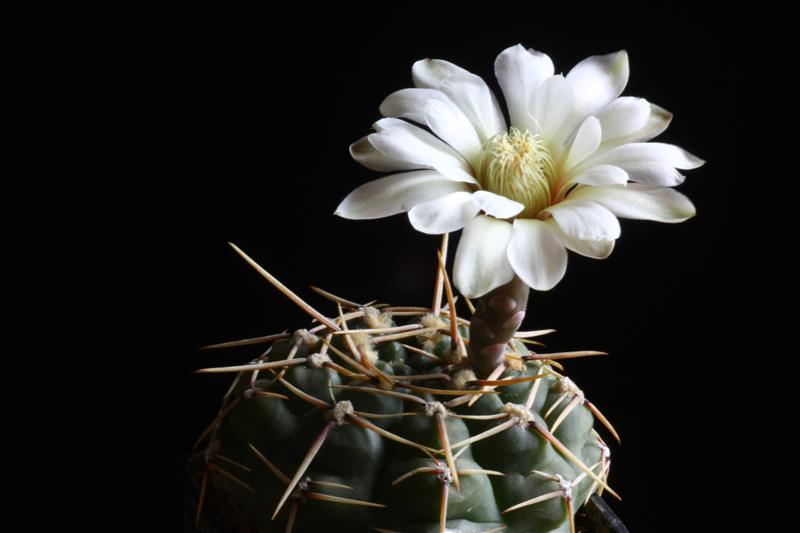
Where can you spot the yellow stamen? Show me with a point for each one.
(517, 165)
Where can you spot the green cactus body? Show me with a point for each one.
(384, 435)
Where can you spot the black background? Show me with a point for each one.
(139, 141)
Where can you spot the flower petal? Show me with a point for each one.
(551, 104)
(638, 201)
(657, 121)
(416, 148)
(519, 71)
(410, 103)
(597, 80)
(481, 262)
(594, 249)
(447, 121)
(650, 163)
(434, 109)
(585, 143)
(468, 91)
(496, 205)
(445, 214)
(585, 220)
(654, 174)
(407, 142)
(396, 194)
(667, 154)
(366, 154)
(601, 175)
(623, 117)
(536, 254)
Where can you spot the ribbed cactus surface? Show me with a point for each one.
(375, 421)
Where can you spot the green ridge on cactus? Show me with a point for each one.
(345, 431)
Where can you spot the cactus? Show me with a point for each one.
(415, 419)
(378, 420)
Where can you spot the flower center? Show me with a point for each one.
(517, 165)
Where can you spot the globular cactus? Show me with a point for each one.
(375, 420)
(414, 419)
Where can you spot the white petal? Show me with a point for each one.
(585, 143)
(481, 260)
(396, 194)
(623, 117)
(468, 91)
(651, 163)
(601, 175)
(597, 80)
(447, 121)
(654, 174)
(434, 109)
(456, 174)
(588, 248)
(445, 214)
(519, 71)
(643, 202)
(407, 142)
(416, 148)
(410, 103)
(657, 122)
(667, 154)
(536, 254)
(585, 220)
(496, 205)
(551, 104)
(366, 154)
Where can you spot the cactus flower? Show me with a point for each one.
(574, 158)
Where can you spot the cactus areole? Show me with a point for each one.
(431, 419)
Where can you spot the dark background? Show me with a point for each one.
(139, 141)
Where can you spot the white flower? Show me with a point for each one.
(573, 160)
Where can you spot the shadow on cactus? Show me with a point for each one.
(383, 418)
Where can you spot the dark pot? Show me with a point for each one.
(597, 517)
